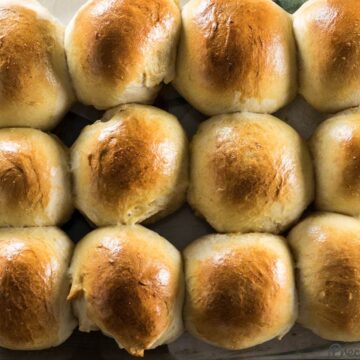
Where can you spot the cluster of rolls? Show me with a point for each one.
(251, 175)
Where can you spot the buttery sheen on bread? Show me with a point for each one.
(240, 289)
(121, 51)
(335, 147)
(236, 55)
(34, 284)
(327, 34)
(249, 172)
(327, 252)
(128, 283)
(35, 88)
(35, 187)
(131, 166)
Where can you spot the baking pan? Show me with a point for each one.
(180, 228)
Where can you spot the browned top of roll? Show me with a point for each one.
(135, 303)
(128, 158)
(21, 181)
(339, 283)
(351, 163)
(26, 44)
(236, 41)
(113, 34)
(245, 168)
(236, 294)
(334, 32)
(25, 283)
(24, 180)
(327, 251)
(336, 144)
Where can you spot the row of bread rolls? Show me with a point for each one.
(233, 55)
(130, 167)
(240, 288)
(246, 55)
(128, 282)
(248, 172)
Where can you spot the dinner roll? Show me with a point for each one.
(327, 252)
(121, 51)
(236, 55)
(240, 289)
(35, 87)
(35, 187)
(327, 33)
(336, 151)
(128, 282)
(249, 172)
(131, 166)
(34, 284)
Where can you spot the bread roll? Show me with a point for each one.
(236, 55)
(35, 87)
(128, 282)
(327, 252)
(34, 284)
(327, 34)
(121, 51)
(249, 172)
(240, 289)
(335, 148)
(35, 187)
(131, 166)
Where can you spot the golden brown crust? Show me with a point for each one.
(235, 294)
(26, 315)
(339, 35)
(245, 168)
(127, 159)
(236, 55)
(22, 184)
(327, 251)
(116, 33)
(351, 161)
(26, 45)
(335, 147)
(24, 174)
(338, 284)
(335, 24)
(131, 166)
(249, 172)
(134, 305)
(35, 187)
(236, 40)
